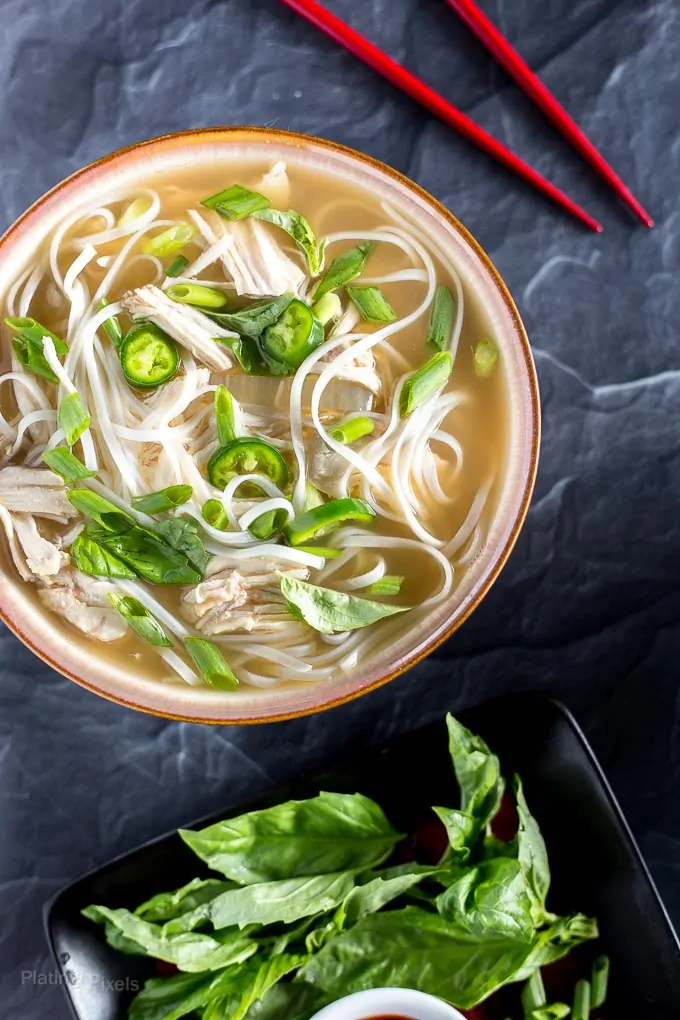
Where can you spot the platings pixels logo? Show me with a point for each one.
(69, 977)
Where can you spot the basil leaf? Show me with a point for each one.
(343, 269)
(182, 534)
(329, 611)
(92, 558)
(236, 203)
(73, 418)
(66, 464)
(120, 943)
(381, 890)
(170, 998)
(253, 321)
(211, 664)
(533, 858)
(331, 832)
(253, 981)
(563, 935)
(287, 1001)
(299, 229)
(489, 901)
(371, 304)
(163, 500)
(169, 905)
(413, 948)
(140, 619)
(153, 559)
(440, 325)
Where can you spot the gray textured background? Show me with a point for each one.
(589, 605)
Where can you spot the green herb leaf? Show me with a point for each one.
(182, 534)
(170, 998)
(351, 429)
(563, 935)
(533, 858)
(140, 619)
(424, 383)
(148, 553)
(299, 229)
(169, 241)
(27, 343)
(189, 951)
(489, 901)
(381, 890)
(330, 611)
(73, 418)
(343, 269)
(92, 558)
(225, 415)
(211, 664)
(283, 901)
(111, 326)
(177, 266)
(254, 980)
(390, 584)
(485, 357)
(331, 832)
(371, 304)
(440, 325)
(168, 906)
(235, 203)
(66, 464)
(247, 353)
(285, 1000)
(413, 948)
(198, 296)
(253, 321)
(163, 500)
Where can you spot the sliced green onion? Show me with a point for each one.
(268, 524)
(177, 266)
(211, 664)
(132, 212)
(214, 514)
(111, 326)
(371, 304)
(93, 505)
(195, 294)
(580, 1009)
(390, 584)
(533, 993)
(600, 981)
(312, 496)
(485, 357)
(311, 523)
(327, 551)
(27, 343)
(297, 227)
(164, 499)
(424, 383)
(66, 464)
(235, 203)
(73, 418)
(440, 324)
(254, 320)
(140, 619)
(328, 308)
(343, 269)
(351, 429)
(171, 240)
(225, 414)
(555, 1011)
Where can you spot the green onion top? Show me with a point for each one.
(140, 619)
(390, 584)
(327, 308)
(195, 294)
(163, 500)
(371, 304)
(225, 414)
(66, 464)
(111, 326)
(440, 325)
(485, 357)
(213, 513)
(351, 429)
(235, 203)
(177, 266)
(424, 383)
(27, 343)
(73, 418)
(211, 664)
(171, 240)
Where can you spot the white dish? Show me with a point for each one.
(389, 1002)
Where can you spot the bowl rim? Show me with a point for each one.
(361, 1005)
(245, 133)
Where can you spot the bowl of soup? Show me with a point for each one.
(270, 425)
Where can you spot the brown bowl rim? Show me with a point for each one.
(246, 133)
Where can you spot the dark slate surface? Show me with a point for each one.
(588, 608)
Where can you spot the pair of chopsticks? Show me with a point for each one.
(510, 59)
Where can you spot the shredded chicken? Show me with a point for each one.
(325, 467)
(245, 599)
(275, 185)
(250, 255)
(35, 491)
(43, 558)
(359, 369)
(83, 601)
(185, 324)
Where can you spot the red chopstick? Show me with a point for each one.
(431, 100)
(509, 58)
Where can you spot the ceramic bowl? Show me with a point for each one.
(99, 670)
(389, 1004)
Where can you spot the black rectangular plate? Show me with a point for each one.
(596, 865)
